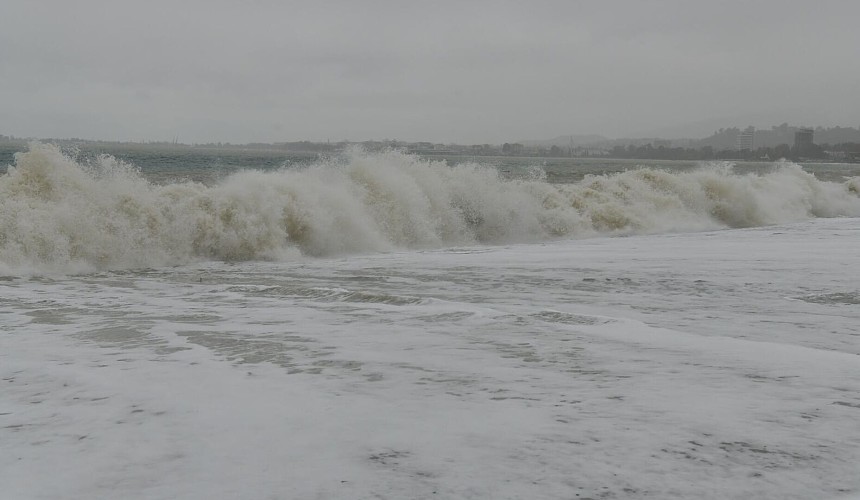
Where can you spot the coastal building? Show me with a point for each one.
(803, 140)
(746, 139)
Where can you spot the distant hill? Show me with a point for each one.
(726, 138)
(722, 139)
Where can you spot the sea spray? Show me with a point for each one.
(58, 214)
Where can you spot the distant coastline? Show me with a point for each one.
(835, 144)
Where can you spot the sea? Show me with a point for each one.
(189, 323)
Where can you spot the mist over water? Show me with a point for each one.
(62, 215)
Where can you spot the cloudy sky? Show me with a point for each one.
(461, 71)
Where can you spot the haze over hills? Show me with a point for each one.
(722, 138)
(702, 128)
(779, 134)
(565, 140)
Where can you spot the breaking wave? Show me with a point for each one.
(57, 214)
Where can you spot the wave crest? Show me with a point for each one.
(57, 214)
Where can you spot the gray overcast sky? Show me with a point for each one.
(460, 71)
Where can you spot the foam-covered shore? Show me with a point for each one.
(714, 365)
(57, 214)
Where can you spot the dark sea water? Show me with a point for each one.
(166, 163)
(162, 164)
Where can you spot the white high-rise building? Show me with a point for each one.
(746, 139)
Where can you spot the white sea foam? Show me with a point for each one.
(57, 214)
(660, 366)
